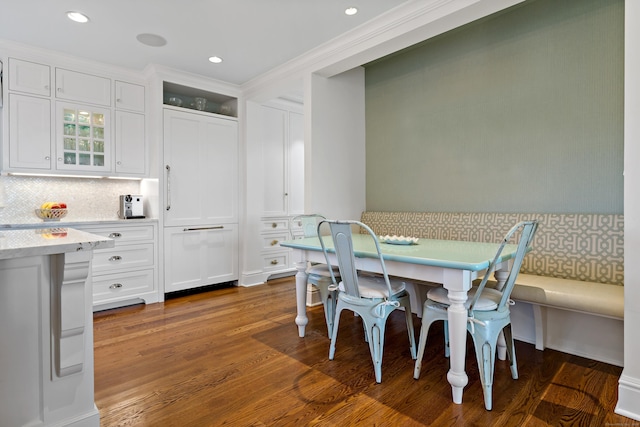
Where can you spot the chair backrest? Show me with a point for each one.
(526, 237)
(341, 235)
(308, 223)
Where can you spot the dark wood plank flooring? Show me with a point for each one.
(233, 357)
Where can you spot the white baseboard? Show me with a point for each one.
(628, 397)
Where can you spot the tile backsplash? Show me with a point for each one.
(86, 199)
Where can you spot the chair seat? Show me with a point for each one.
(323, 270)
(488, 301)
(375, 287)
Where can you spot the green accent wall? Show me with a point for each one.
(521, 111)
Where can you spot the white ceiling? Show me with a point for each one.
(252, 36)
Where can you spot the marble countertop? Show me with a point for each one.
(18, 243)
(57, 224)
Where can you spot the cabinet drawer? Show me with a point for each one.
(276, 261)
(275, 224)
(124, 234)
(122, 284)
(272, 240)
(120, 257)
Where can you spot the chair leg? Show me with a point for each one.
(485, 341)
(328, 302)
(410, 331)
(334, 334)
(486, 372)
(511, 351)
(422, 341)
(375, 332)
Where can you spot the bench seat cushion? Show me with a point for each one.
(588, 297)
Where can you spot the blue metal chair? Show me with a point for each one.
(372, 297)
(318, 274)
(488, 310)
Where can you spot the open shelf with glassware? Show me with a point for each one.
(181, 96)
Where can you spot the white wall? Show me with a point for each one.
(335, 145)
(629, 384)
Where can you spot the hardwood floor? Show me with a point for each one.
(233, 357)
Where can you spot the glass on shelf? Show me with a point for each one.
(98, 160)
(69, 144)
(84, 159)
(98, 132)
(69, 129)
(69, 115)
(69, 158)
(98, 119)
(84, 131)
(98, 146)
(84, 145)
(84, 117)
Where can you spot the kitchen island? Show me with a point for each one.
(46, 327)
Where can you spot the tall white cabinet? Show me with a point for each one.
(275, 187)
(201, 199)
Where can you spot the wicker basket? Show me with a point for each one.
(51, 214)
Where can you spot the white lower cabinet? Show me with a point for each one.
(128, 271)
(200, 256)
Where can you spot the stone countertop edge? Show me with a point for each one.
(58, 224)
(49, 241)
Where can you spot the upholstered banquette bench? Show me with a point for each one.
(576, 262)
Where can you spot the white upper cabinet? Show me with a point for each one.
(29, 77)
(83, 138)
(29, 132)
(129, 96)
(82, 87)
(60, 120)
(130, 141)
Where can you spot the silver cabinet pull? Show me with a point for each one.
(115, 235)
(115, 286)
(115, 258)
(168, 168)
(217, 227)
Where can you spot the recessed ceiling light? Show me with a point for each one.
(215, 59)
(78, 17)
(351, 11)
(152, 40)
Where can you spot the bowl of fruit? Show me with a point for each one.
(52, 211)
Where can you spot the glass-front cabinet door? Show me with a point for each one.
(83, 138)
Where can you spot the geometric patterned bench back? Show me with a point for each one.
(587, 247)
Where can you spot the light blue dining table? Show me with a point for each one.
(453, 263)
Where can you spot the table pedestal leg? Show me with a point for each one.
(457, 316)
(301, 297)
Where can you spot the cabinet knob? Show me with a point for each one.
(118, 100)
(274, 225)
(274, 262)
(115, 235)
(115, 286)
(274, 242)
(47, 158)
(115, 258)
(46, 87)
(119, 162)
(60, 90)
